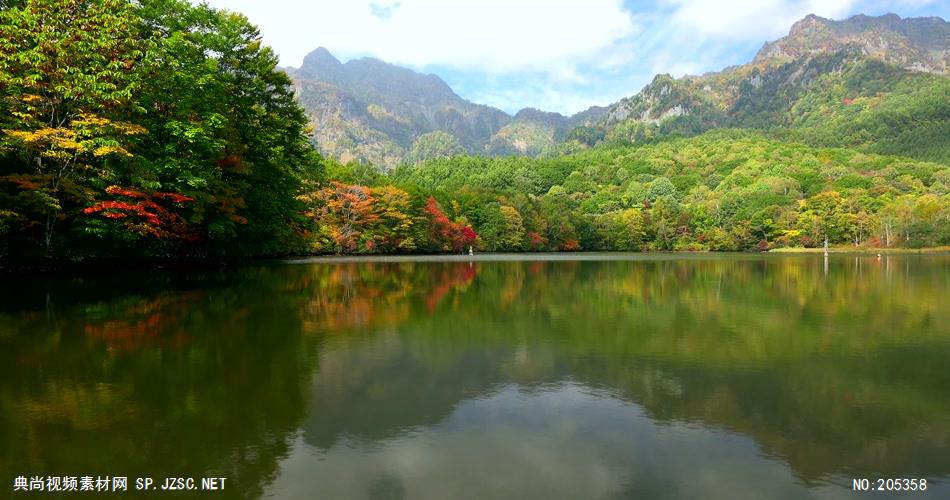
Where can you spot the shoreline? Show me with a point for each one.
(39, 268)
(864, 250)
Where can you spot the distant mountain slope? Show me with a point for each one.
(872, 83)
(919, 44)
(834, 83)
(367, 110)
(372, 111)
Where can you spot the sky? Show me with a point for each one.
(554, 55)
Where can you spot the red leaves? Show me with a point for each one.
(128, 193)
(438, 217)
(120, 210)
(468, 235)
(109, 205)
(143, 215)
(173, 197)
(457, 276)
(449, 234)
(536, 240)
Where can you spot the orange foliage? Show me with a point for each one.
(571, 245)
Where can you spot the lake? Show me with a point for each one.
(565, 376)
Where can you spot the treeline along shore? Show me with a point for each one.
(163, 131)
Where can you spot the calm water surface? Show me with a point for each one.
(696, 376)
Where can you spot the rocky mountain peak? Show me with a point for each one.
(320, 64)
(918, 44)
(808, 24)
(320, 57)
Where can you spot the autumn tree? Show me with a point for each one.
(446, 234)
(344, 215)
(393, 232)
(68, 72)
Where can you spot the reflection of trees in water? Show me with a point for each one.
(815, 367)
(832, 372)
(154, 322)
(200, 381)
(344, 297)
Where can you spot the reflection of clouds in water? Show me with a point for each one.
(563, 442)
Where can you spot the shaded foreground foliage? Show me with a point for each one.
(149, 129)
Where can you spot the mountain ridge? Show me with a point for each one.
(367, 110)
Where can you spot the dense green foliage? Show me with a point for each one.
(154, 129)
(724, 190)
(839, 99)
(161, 129)
(877, 108)
(436, 144)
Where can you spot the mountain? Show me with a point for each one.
(918, 44)
(832, 83)
(366, 110)
(871, 83)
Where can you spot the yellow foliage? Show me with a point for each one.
(92, 121)
(107, 150)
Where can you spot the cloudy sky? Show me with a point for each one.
(556, 55)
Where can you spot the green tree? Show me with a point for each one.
(68, 72)
(227, 128)
(433, 145)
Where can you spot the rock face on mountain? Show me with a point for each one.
(862, 55)
(665, 97)
(370, 111)
(917, 44)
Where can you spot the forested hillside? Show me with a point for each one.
(724, 190)
(881, 80)
(838, 131)
(159, 129)
(873, 84)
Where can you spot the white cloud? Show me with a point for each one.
(558, 55)
(751, 19)
(487, 35)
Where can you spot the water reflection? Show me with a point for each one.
(556, 441)
(711, 376)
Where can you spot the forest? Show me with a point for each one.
(159, 129)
